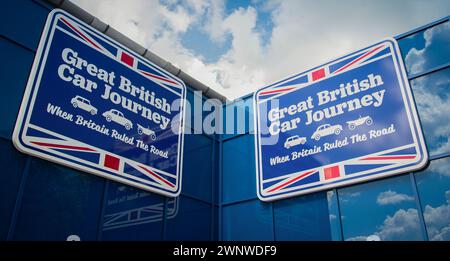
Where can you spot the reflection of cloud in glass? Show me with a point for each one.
(436, 38)
(345, 197)
(432, 99)
(392, 197)
(440, 167)
(438, 220)
(403, 225)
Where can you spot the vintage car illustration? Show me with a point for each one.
(294, 141)
(325, 130)
(117, 116)
(146, 131)
(84, 104)
(362, 120)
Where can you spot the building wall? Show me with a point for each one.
(412, 206)
(40, 200)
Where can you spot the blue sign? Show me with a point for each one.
(347, 121)
(94, 105)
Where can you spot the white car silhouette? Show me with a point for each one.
(325, 130)
(294, 141)
(146, 131)
(367, 120)
(117, 116)
(84, 104)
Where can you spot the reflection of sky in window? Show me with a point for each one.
(434, 190)
(426, 50)
(431, 93)
(333, 210)
(383, 209)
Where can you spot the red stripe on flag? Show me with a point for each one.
(318, 74)
(61, 146)
(80, 33)
(111, 162)
(359, 59)
(331, 172)
(292, 180)
(389, 157)
(275, 91)
(127, 59)
(158, 77)
(158, 177)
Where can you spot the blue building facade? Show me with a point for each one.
(40, 200)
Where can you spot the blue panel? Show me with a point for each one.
(58, 202)
(13, 75)
(131, 214)
(197, 167)
(250, 220)
(196, 106)
(431, 93)
(215, 175)
(238, 118)
(215, 232)
(426, 49)
(23, 21)
(191, 221)
(239, 178)
(302, 218)
(433, 185)
(380, 210)
(13, 164)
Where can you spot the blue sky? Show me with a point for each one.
(237, 47)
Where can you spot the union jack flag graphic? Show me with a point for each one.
(145, 210)
(102, 45)
(321, 73)
(347, 170)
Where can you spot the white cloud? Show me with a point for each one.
(416, 60)
(357, 238)
(305, 34)
(438, 220)
(403, 225)
(214, 25)
(440, 167)
(391, 197)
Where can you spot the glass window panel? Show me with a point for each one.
(426, 49)
(250, 220)
(58, 202)
(302, 218)
(190, 221)
(381, 210)
(335, 221)
(433, 185)
(431, 93)
(131, 214)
